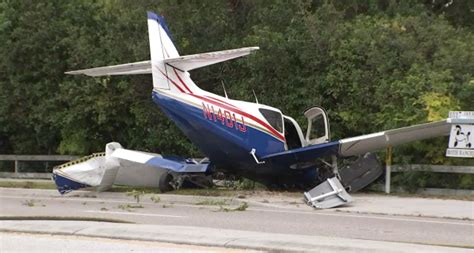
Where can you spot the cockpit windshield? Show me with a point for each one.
(274, 118)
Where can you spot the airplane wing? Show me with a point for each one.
(361, 144)
(371, 142)
(183, 63)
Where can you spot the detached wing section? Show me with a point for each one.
(183, 63)
(158, 161)
(121, 166)
(300, 157)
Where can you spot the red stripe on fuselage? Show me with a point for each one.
(181, 80)
(232, 109)
(224, 102)
(175, 84)
(268, 127)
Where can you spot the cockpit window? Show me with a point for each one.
(274, 118)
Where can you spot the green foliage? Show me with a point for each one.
(242, 207)
(413, 180)
(210, 202)
(155, 199)
(373, 64)
(136, 195)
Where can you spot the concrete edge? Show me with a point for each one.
(216, 237)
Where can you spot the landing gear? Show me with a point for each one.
(165, 183)
(173, 181)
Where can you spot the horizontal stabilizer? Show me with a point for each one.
(183, 63)
(194, 61)
(135, 68)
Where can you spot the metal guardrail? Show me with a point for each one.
(393, 168)
(434, 168)
(35, 158)
(427, 168)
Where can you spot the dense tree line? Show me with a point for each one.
(373, 64)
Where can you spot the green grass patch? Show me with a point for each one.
(127, 207)
(27, 184)
(155, 199)
(212, 192)
(242, 207)
(212, 202)
(127, 189)
(73, 218)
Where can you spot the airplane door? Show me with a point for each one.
(318, 126)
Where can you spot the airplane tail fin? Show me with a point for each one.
(161, 48)
(169, 70)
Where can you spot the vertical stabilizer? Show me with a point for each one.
(161, 48)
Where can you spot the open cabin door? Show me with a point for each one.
(318, 126)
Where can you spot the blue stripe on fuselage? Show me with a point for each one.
(220, 143)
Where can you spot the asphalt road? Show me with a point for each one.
(267, 213)
(21, 242)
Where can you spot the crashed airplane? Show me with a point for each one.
(251, 140)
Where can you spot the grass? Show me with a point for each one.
(75, 218)
(212, 202)
(242, 207)
(417, 195)
(136, 195)
(83, 196)
(214, 192)
(27, 184)
(123, 188)
(29, 202)
(32, 203)
(155, 199)
(127, 207)
(211, 192)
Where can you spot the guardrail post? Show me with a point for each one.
(17, 167)
(388, 169)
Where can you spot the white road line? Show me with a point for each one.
(138, 214)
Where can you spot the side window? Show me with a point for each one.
(274, 118)
(318, 128)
